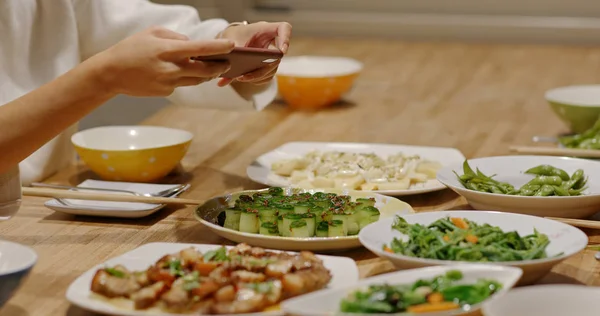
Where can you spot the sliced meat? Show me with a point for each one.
(111, 286)
(189, 257)
(225, 294)
(247, 277)
(206, 288)
(147, 296)
(246, 301)
(177, 298)
(279, 268)
(159, 274)
(304, 281)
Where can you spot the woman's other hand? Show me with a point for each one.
(156, 61)
(259, 35)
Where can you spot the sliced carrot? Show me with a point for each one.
(428, 308)
(446, 238)
(472, 238)
(387, 249)
(459, 222)
(435, 298)
(205, 268)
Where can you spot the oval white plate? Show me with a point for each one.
(388, 207)
(260, 170)
(344, 273)
(564, 239)
(546, 300)
(327, 302)
(510, 169)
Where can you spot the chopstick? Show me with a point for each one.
(66, 194)
(553, 151)
(582, 223)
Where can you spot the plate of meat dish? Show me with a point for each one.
(182, 279)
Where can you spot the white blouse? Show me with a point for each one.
(42, 39)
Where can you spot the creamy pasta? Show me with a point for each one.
(357, 171)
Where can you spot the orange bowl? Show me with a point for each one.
(313, 82)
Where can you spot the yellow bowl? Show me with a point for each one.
(132, 153)
(313, 82)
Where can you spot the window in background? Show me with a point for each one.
(512, 20)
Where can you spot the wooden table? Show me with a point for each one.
(479, 98)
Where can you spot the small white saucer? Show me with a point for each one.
(111, 209)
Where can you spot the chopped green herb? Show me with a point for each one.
(114, 272)
(175, 267)
(191, 281)
(219, 255)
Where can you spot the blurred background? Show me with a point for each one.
(574, 22)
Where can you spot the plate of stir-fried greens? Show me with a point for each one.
(439, 290)
(532, 243)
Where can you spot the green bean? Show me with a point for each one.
(547, 170)
(560, 191)
(545, 190)
(568, 184)
(578, 177)
(526, 192)
(550, 180)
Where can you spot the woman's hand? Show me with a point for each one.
(156, 61)
(259, 35)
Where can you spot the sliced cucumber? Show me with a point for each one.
(323, 229)
(299, 229)
(337, 229)
(249, 222)
(232, 219)
(269, 229)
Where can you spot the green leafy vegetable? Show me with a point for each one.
(440, 293)
(449, 239)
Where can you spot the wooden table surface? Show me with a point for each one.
(479, 98)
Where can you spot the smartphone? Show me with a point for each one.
(244, 60)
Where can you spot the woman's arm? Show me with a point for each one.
(151, 63)
(102, 23)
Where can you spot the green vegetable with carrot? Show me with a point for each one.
(458, 239)
(440, 293)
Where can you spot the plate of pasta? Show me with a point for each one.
(380, 168)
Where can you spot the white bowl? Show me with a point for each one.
(318, 66)
(132, 153)
(510, 169)
(327, 302)
(16, 261)
(546, 300)
(564, 239)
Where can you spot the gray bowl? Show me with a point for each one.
(16, 262)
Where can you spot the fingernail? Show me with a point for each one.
(284, 48)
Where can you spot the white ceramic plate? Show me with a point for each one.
(510, 169)
(327, 302)
(260, 170)
(564, 239)
(207, 213)
(546, 300)
(111, 209)
(16, 262)
(344, 273)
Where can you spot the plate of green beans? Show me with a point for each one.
(534, 185)
(297, 219)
